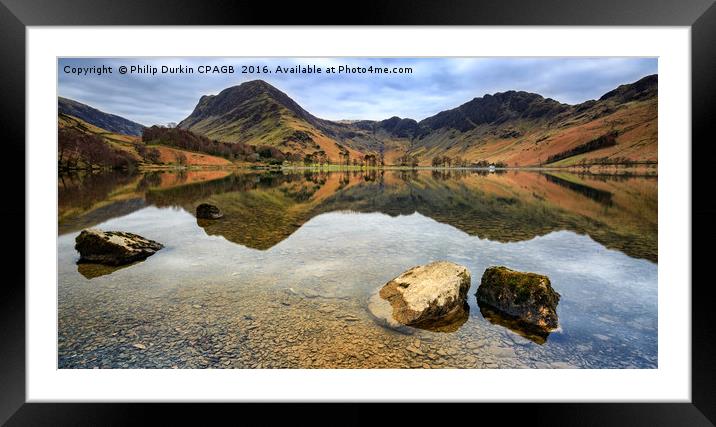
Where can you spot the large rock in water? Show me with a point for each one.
(526, 296)
(113, 247)
(435, 293)
(207, 211)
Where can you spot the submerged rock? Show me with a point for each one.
(208, 211)
(528, 297)
(431, 296)
(382, 313)
(113, 247)
(533, 333)
(93, 270)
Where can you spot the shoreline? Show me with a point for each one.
(650, 170)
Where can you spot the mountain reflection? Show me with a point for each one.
(262, 209)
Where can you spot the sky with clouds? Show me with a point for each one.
(435, 84)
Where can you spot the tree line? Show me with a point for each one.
(408, 160)
(614, 161)
(344, 159)
(235, 151)
(606, 140)
(79, 150)
(459, 162)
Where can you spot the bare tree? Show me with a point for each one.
(181, 159)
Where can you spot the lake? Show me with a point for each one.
(283, 280)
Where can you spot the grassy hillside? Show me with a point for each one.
(86, 146)
(527, 142)
(223, 152)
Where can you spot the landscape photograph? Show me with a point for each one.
(343, 213)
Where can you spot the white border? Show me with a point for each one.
(670, 382)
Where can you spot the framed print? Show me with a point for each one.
(493, 206)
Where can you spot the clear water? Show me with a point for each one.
(283, 280)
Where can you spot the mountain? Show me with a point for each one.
(93, 116)
(495, 110)
(643, 89)
(394, 126)
(515, 127)
(521, 128)
(257, 113)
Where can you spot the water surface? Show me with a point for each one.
(282, 281)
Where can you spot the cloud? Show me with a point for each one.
(435, 84)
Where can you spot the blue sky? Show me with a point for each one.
(435, 84)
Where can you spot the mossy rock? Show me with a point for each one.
(527, 296)
(113, 247)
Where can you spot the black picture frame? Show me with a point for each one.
(699, 15)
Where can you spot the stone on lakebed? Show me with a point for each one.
(424, 295)
(208, 211)
(113, 247)
(526, 296)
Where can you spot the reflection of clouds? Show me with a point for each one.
(574, 255)
(161, 219)
(176, 229)
(333, 241)
(374, 247)
(436, 84)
